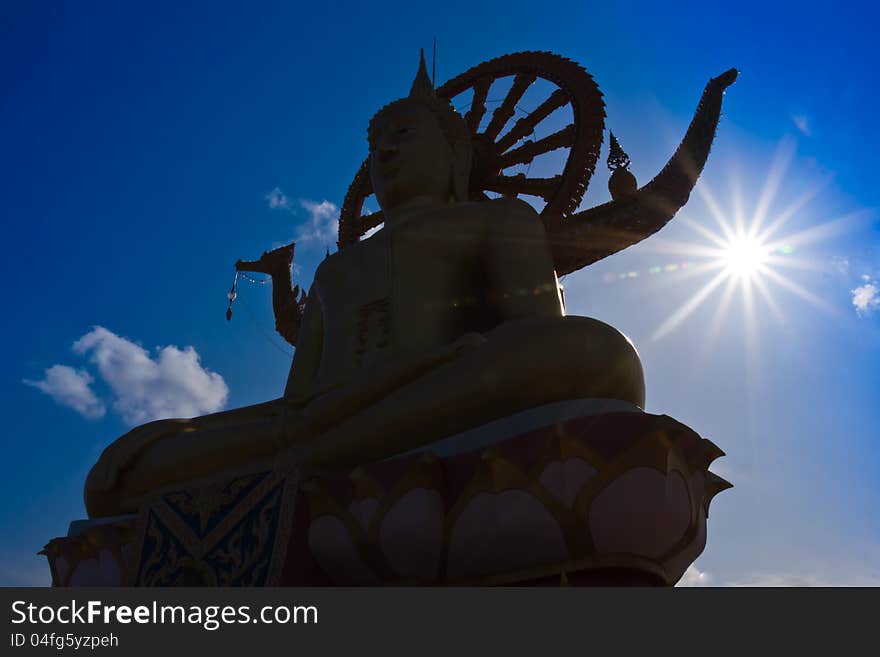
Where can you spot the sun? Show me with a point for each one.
(743, 256)
(747, 252)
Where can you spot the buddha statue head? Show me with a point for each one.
(420, 149)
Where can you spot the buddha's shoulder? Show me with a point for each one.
(496, 207)
(509, 206)
(349, 257)
(511, 209)
(480, 212)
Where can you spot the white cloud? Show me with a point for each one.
(173, 384)
(323, 224)
(71, 388)
(866, 297)
(694, 577)
(278, 200)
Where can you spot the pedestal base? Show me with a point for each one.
(610, 498)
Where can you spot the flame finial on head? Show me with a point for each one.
(422, 88)
(455, 130)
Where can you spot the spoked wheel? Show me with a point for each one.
(497, 147)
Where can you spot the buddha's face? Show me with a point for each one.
(410, 159)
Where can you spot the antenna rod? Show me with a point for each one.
(434, 64)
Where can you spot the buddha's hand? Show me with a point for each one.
(270, 262)
(121, 454)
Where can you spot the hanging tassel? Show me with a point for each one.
(231, 296)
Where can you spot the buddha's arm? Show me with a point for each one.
(335, 404)
(520, 263)
(302, 381)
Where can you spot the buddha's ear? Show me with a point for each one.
(461, 170)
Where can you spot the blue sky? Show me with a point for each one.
(143, 148)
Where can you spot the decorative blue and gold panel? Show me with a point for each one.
(224, 534)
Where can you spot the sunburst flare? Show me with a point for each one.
(748, 253)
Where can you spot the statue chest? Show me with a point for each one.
(395, 292)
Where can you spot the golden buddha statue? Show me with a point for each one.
(448, 318)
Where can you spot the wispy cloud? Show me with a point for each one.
(693, 576)
(141, 387)
(322, 226)
(278, 200)
(802, 123)
(866, 297)
(776, 580)
(71, 388)
(323, 223)
(840, 264)
(811, 580)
